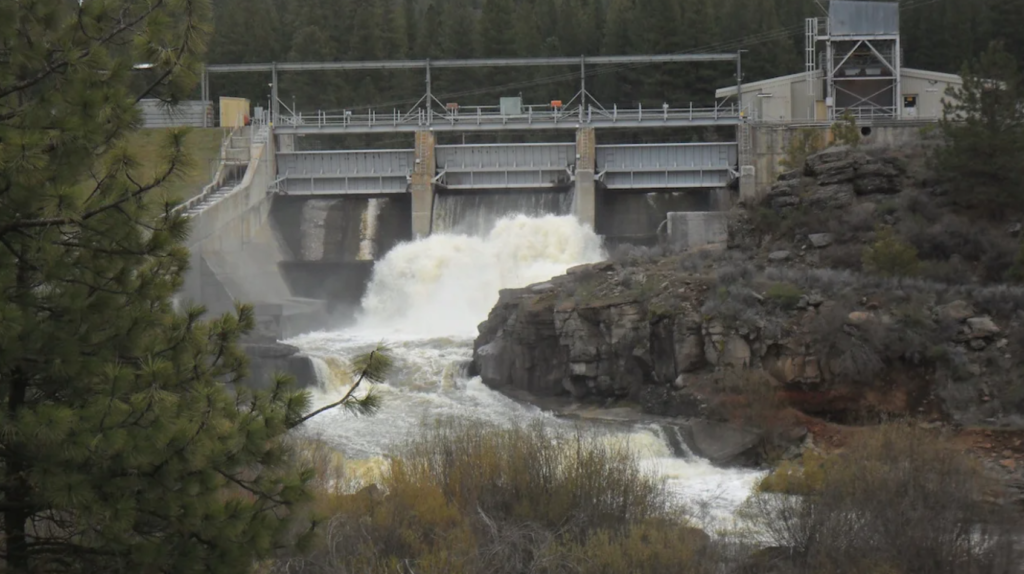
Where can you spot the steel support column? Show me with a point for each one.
(275, 105)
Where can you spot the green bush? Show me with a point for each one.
(890, 256)
(786, 295)
(804, 143)
(845, 131)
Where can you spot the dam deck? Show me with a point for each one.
(492, 119)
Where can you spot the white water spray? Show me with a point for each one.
(426, 299)
(368, 230)
(445, 285)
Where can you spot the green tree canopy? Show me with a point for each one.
(983, 127)
(121, 447)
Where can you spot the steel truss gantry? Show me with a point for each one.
(582, 108)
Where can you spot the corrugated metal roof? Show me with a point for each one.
(864, 18)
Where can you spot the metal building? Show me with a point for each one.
(853, 65)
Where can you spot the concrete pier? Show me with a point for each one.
(586, 189)
(421, 185)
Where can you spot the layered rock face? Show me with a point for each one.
(676, 341)
(680, 334)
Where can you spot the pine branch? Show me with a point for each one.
(52, 67)
(57, 221)
(376, 366)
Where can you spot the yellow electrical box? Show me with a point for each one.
(234, 112)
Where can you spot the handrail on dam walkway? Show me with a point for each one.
(430, 113)
(491, 118)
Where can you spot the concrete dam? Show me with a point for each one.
(299, 234)
(338, 211)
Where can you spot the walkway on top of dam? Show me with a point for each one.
(493, 118)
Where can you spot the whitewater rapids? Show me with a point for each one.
(425, 301)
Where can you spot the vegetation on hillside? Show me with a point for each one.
(937, 35)
(898, 499)
(202, 145)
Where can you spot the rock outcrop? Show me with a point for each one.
(267, 359)
(835, 345)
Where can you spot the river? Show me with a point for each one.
(425, 301)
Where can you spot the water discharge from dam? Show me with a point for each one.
(477, 213)
(425, 301)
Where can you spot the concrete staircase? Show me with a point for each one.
(218, 194)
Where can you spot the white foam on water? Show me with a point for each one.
(368, 229)
(425, 301)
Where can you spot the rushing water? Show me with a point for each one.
(425, 301)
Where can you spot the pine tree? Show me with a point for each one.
(983, 125)
(496, 25)
(121, 448)
(620, 85)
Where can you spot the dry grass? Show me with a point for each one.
(148, 145)
(471, 498)
(897, 500)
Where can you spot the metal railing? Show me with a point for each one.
(493, 116)
(218, 178)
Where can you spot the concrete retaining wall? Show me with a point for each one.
(237, 256)
(688, 231)
(771, 140)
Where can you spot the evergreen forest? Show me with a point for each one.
(938, 35)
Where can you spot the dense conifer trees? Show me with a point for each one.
(938, 35)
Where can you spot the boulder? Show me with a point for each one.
(736, 353)
(835, 196)
(793, 175)
(268, 359)
(830, 160)
(958, 311)
(858, 318)
(723, 444)
(779, 256)
(795, 369)
(785, 188)
(982, 328)
(785, 201)
(821, 240)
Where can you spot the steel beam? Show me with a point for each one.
(474, 63)
(490, 127)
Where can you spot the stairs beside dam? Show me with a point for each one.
(218, 194)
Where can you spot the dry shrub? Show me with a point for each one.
(651, 548)
(473, 498)
(532, 474)
(802, 144)
(890, 256)
(897, 500)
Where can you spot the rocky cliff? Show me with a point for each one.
(772, 325)
(675, 334)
